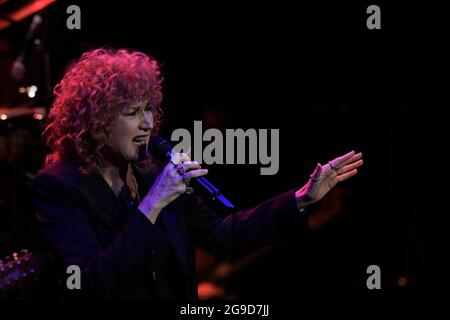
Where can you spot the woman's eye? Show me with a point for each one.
(134, 112)
(131, 113)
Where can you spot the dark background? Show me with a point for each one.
(312, 70)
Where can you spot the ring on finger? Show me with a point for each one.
(189, 190)
(186, 179)
(181, 170)
(174, 164)
(334, 167)
(314, 179)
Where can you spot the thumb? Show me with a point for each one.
(317, 172)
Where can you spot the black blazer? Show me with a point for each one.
(122, 255)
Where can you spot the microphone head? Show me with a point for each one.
(160, 148)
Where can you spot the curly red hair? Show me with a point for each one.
(94, 89)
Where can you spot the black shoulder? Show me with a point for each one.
(61, 174)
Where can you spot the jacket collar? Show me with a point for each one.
(104, 203)
(100, 197)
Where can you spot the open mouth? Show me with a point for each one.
(140, 140)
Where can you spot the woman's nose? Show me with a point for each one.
(146, 122)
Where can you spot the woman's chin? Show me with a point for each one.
(134, 157)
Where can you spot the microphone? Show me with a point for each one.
(161, 149)
(18, 68)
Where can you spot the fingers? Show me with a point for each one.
(183, 188)
(180, 183)
(345, 176)
(347, 159)
(338, 162)
(184, 167)
(350, 167)
(183, 180)
(189, 165)
(346, 166)
(179, 157)
(352, 159)
(196, 173)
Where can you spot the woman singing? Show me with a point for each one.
(130, 223)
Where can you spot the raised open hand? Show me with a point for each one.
(324, 178)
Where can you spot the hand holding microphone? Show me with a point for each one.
(162, 150)
(170, 184)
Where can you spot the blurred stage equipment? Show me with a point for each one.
(14, 11)
(25, 94)
(17, 272)
(38, 113)
(18, 68)
(27, 60)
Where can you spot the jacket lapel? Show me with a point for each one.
(99, 197)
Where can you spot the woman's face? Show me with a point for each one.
(131, 129)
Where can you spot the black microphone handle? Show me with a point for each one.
(213, 192)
